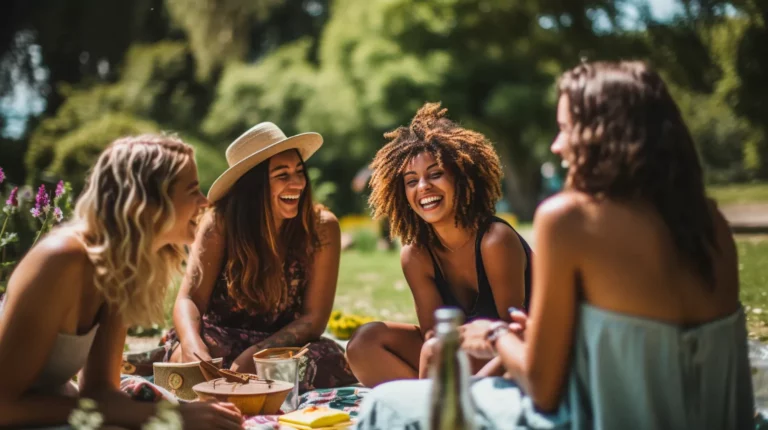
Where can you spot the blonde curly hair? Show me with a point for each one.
(126, 204)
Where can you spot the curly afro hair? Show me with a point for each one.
(469, 155)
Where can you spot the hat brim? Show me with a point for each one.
(305, 143)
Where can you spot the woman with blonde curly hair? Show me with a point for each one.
(72, 297)
(438, 184)
(636, 321)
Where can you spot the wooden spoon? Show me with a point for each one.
(208, 369)
(302, 351)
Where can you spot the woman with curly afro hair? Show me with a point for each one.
(438, 184)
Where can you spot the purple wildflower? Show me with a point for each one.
(58, 214)
(59, 189)
(13, 201)
(42, 203)
(2, 175)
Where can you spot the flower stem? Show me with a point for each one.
(5, 223)
(39, 232)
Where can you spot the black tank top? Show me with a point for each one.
(485, 305)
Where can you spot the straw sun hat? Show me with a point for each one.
(256, 145)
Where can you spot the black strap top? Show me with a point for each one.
(485, 305)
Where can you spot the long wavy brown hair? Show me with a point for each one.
(467, 154)
(257, 253)
(629, 141)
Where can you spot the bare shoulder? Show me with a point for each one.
(327, 217)
(211, 225)
(500, 237)
(328, 229)
(59, 248)
(58, 259)
(563, 214)
(414, 256)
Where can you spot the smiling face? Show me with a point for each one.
(287, 181)
(429, 189)
(188, 203)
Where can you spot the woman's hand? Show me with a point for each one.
(519, 322)
(210, 415)
(188, 353)
(244, 362)
(473, 339)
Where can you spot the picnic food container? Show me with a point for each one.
(255, 397)
(179, 378)
(316, 417)
(281, 364)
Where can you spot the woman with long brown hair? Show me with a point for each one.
(636, 320)
(264, 264)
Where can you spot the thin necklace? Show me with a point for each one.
(457, 248)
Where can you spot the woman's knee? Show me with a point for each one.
(366, 337)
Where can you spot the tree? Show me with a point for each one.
(157, 91)
(489, 62)
(237, 30)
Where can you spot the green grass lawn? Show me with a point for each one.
(739, 193)
(753, 273)
(372, 284)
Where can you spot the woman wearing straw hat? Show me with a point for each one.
(264, 265)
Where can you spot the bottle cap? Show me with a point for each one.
(449, 314)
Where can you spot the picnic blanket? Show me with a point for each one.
(344, 398)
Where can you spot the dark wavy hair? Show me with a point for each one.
(257, 253)
(629, 141)
(467, 154)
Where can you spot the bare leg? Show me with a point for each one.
(385, 351)
(427, 352)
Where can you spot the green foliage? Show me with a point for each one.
(157, 82)
(271, 90)
(739, 193)
(379, 61)
(322, 190)
(365, 240)
(76, 151)
(218, 31)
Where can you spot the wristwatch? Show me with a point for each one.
(495, 331)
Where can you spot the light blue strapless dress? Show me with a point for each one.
(626, 373)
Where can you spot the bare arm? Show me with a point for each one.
(37, 303)
(540, 363)
(419, 273)
(504, 261)
(101, 376)
(192, 302)
(318, 298)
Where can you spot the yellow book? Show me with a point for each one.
(315, 417)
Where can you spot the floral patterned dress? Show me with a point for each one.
(228, 330)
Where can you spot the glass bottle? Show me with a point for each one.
(450, 402)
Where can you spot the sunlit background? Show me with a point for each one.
(76, 74)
